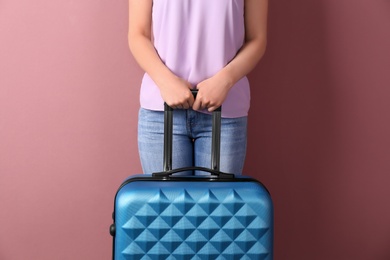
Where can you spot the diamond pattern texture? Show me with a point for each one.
(195, 223)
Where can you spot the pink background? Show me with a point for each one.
(319, 134)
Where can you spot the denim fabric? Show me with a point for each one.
(191, 141)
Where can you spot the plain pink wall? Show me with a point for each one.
(318, 135)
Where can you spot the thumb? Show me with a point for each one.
(196, 104)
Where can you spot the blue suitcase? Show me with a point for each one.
(219, 216)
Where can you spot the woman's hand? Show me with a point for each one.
(177, 93)
(212, 92)
(174, 90)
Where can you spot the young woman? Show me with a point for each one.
(209, 45)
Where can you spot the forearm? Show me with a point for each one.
(174, 90)
(146, 56)
(245, 60)
(255, 42)
(213, 91)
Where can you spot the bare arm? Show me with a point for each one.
(213, 91)
(174, 90)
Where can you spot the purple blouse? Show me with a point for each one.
(195, 39)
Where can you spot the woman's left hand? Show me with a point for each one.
(212, 92)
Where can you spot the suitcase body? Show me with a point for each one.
(193, 218)
(217, 216)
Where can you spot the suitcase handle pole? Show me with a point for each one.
(215, 136)
(168, 133)
(215, 144)
(216, 140)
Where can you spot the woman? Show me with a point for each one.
(209, 45)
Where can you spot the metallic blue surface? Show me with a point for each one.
(193, 220)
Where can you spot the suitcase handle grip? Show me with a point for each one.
(219, 174)
(215, 144)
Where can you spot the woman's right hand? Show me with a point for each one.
(177, 93)
(174, 90)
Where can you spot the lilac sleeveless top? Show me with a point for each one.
(195, 39)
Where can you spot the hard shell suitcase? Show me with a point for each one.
(220, 216)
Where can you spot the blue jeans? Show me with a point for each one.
(191, 141)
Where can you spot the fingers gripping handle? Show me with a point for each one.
(215, 145)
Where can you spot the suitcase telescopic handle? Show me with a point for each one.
(215, 145)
